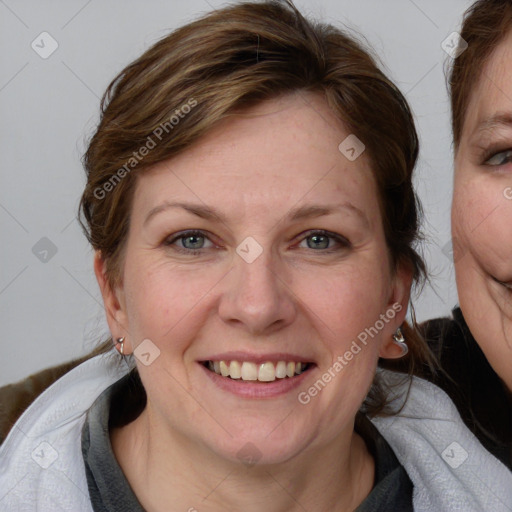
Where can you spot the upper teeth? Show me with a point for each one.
(264, 372)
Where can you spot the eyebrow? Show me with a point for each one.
(298, 213)
(494, 121)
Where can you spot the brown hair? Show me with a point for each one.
(229, 60)
(485, 24)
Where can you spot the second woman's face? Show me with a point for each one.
(259, 250)
(482, 212)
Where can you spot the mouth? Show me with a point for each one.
(507, 285)
(268, 371)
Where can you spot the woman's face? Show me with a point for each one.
(482, 212)
(225, 262)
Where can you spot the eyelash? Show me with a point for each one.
(345, 244)
(492, 152)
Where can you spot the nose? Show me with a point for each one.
(257, 297)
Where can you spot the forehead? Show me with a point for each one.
(273, 155)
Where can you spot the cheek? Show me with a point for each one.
(481, 223)
(163, 298)
(348, 302)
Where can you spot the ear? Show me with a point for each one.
(398, 302)
(114, 302)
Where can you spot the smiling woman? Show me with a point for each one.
(482, 173)
(244, 265)
(475, 346)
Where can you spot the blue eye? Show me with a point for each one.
(192, 242)
(320, 239)
(501, 158)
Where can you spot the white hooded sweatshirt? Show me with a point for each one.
(42, 469)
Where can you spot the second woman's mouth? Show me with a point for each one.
(507, 285)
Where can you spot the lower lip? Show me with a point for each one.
(256, 389)
(507, 286)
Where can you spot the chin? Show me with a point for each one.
(258, 444)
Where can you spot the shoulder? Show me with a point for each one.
(452, 342)
(16, 397)
(446, 335)
(440, 454)
(467, 377)
(460, 359)
(43, 451)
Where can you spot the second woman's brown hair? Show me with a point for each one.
(486, 23)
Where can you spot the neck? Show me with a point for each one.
(164, 467)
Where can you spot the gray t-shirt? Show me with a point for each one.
(122, 402)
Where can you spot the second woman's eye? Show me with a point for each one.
(501, 158)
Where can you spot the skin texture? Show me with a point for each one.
(482, 212)
(295, 298)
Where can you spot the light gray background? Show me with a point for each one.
(52, 311)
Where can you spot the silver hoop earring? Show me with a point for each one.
(120, 341)
(399, 339)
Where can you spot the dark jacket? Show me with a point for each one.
(481, 397)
